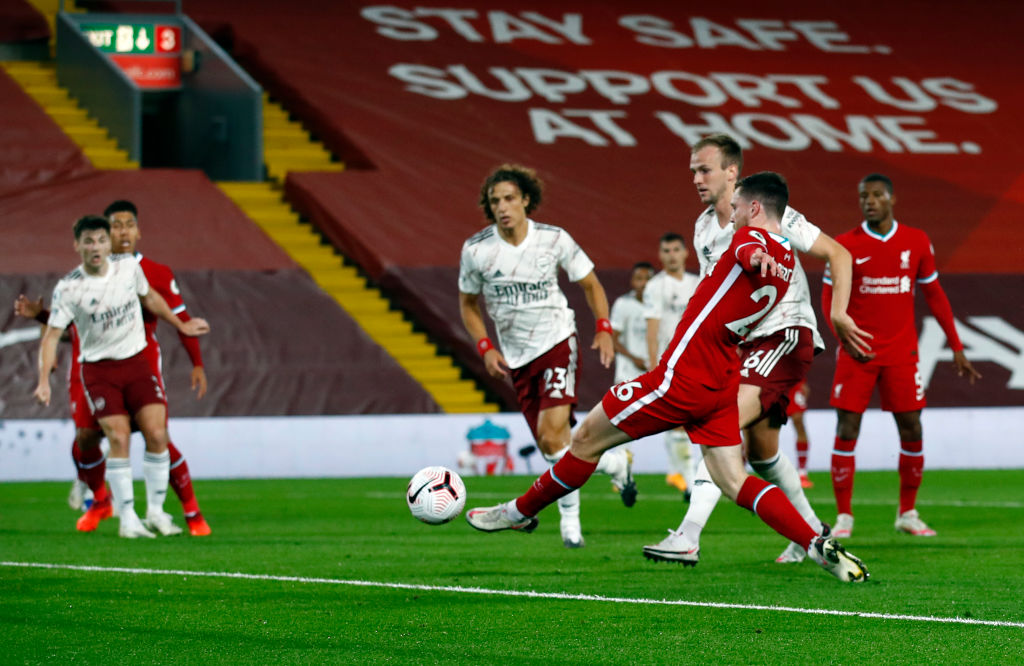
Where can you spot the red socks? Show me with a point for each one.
(843, 467)
(92, 469)
(181, 482)
(802, 448)
(773, 507)
(911, 467)
(567, 475)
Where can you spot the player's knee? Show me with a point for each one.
(848, 425)
(551, 440)
(87, 438)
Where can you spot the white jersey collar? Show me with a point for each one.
(892, 232)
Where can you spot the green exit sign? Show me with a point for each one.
(120, 37)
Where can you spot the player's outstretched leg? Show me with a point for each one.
(501, 517)
(780, 471)
(836, 560)
(564, 477)
(181, 483)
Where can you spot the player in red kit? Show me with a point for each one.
(86, 451)
(890, 261)
(695, 384)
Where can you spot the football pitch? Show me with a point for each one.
(337, 571)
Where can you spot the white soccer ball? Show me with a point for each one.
(436, 495)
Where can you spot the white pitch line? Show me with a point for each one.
(562, 596)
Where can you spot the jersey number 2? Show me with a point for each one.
(741, 326)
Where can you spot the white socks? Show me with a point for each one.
(156, 470)
(780, 471)
(119, 476)
(703, 498)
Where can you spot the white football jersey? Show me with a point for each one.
(665, 299)
(519, 284)
(795, 308)
(105, 309)
(627, 318)
(710, 241)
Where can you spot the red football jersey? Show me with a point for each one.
(886, 271)
(726, 306)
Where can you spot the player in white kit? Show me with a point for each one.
(775, 358)
(102, 298)
(513, 264)
(665, 299)
(629, 326)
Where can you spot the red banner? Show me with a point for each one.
(150, 71)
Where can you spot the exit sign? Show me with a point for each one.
(133, 38)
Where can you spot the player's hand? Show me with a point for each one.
(195, 327)
(640, 363)
(199, 381)
(853, 338)
(42, 393)
(964, 367)
(26, 308)
(495, 363)
(606, 349)
(766, 262)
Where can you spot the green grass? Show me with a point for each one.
(359, 530)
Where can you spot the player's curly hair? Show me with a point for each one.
(524, 178)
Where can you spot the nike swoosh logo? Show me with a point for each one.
(861, 260)
(412, 498)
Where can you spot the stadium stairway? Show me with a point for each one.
(287, 146)
(437, 373)
(39, 81)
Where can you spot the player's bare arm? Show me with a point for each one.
(598, 302)
(47, 361)
(621, 349)
(851, 336)
(156, 304)
(473, 320)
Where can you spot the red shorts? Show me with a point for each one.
(777, 363)
(900, 386)
(798, 399)
(122, 386)
(81, 415)
(640, 407)
(548, 381)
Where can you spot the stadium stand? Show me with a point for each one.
(281, 345)
(424, 102)
(421, 103)
(24, 32)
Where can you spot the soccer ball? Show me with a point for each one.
(436, 495)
